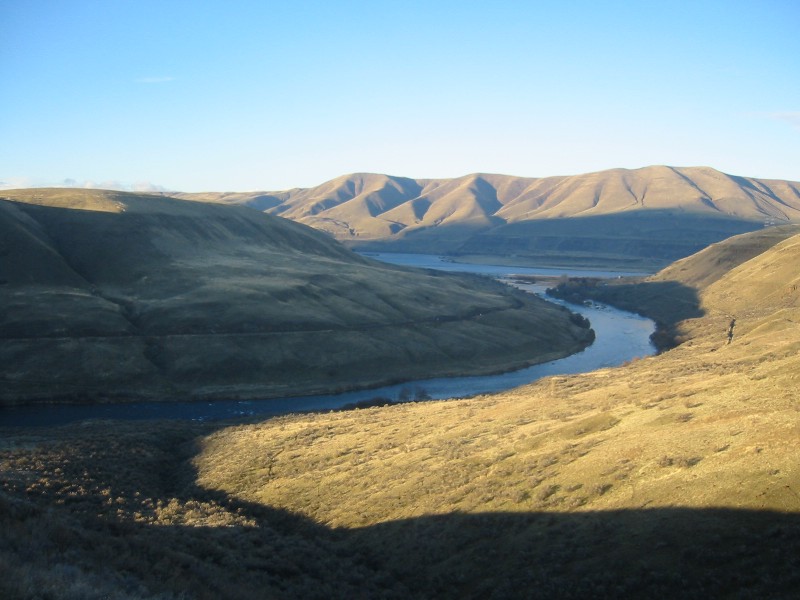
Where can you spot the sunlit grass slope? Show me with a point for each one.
(713, 423)
(108, 296)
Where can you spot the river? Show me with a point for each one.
(620, 337)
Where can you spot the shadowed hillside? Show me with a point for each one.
(676, 475)
(108, 296)
(647, 216)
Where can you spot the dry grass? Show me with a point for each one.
(601, 431)
(93, 513)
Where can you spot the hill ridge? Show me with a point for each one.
(496, 214)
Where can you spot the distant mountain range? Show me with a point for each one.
(656, 213)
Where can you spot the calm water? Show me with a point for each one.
(621, 336)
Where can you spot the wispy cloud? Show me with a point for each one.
(139, 186)
(790, 117)
(146, 186)
(163, 79)
(26, 182)
(14, 183)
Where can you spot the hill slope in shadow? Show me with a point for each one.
(651, 215)
(109, 296)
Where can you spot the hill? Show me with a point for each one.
(109, 296)
(677, 475)
(647, 216)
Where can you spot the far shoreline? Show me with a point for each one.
(641, 267)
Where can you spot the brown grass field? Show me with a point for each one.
(674, 476)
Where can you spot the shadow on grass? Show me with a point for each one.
(105, 512)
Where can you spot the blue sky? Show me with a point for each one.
(245, 95)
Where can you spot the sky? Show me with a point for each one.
(241, 95)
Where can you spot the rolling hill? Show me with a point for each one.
(112, 296)
(676, 475)
(652, 215)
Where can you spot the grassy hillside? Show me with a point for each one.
(677, 475)
(628, 218)
(110, 296)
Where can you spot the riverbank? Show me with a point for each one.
(561, 261)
